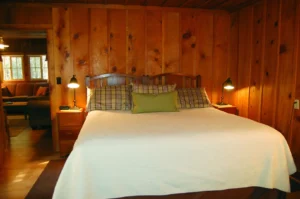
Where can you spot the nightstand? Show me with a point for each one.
(226, 108)
(69, 125)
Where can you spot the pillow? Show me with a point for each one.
(5, 91)
(193, 98)
(147, 103)
(42, 91)
(110, 98)
(153, 89)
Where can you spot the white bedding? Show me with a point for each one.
(120, 154)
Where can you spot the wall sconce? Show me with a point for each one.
(228, 86)
(74, 84)
(2, 45)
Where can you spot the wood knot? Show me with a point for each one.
(258, 21)
(76, 36)
(290, 95)
(133, 69)
(130, 36)
(129, 49)
(111, 35)
(254, 83)
(95, 29)
(187, 35)
(257, 42)
(267, 73)
(81, 62)
(282, 49)
(276, 23)
(193, 45)
(272, 42)
(203, 56)
(114, 69)
(110, 48)
(156, 50)
(156, 59)
(67, 54)
(257, 61)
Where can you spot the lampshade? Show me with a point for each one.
(228, 84)
(73, 83)
(2, 45)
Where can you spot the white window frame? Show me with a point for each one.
(10, 67)
(41, 64)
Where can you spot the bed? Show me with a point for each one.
(191, 154)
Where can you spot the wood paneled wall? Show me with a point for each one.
(92, 40)
(268, 63)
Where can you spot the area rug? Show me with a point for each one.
(17, 124)
(45, 184)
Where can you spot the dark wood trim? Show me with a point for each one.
(219, 4)
(26, 26)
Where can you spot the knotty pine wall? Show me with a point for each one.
(95, 39)
(267, 60)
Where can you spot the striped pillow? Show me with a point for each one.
(110, 98)
(153, 89)
(193, 98)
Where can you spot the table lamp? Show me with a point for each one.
(228, 86)
(74, 84)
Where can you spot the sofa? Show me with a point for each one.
(38, 107)
(21, 92)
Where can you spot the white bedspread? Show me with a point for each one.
(121, 154)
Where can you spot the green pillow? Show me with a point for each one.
(147, 103)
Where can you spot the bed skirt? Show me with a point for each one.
(241, 193)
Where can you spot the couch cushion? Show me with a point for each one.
(24, 89)
(15, 99)
(11, 87)
(5, 91)
(40, 84)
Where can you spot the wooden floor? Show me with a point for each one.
(26, 158)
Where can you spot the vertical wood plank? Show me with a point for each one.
(188, 42)
(62, 53)
(245, 55)
(154, 42)
(270, 72)
(54, 105)
(257, 62)
(98, 42)
(171, 42)
(117, 36)
(220, 54)
(2, 127)
(232, 96)
(287, 69)
(295, 136)
(80, 42)
(136, 42)
(204, 46)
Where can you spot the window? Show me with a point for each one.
(12, 67)
(38, 67)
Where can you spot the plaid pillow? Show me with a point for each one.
(153, 89)
(110, 98)
(193, 98)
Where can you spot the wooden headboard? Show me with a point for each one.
(181, 80)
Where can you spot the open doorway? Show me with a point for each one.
(26, 103)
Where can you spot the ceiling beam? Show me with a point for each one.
(163, 3)
(243, 5)
(185, 3)
(218, 5)
(126, 2)
(204, 4)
